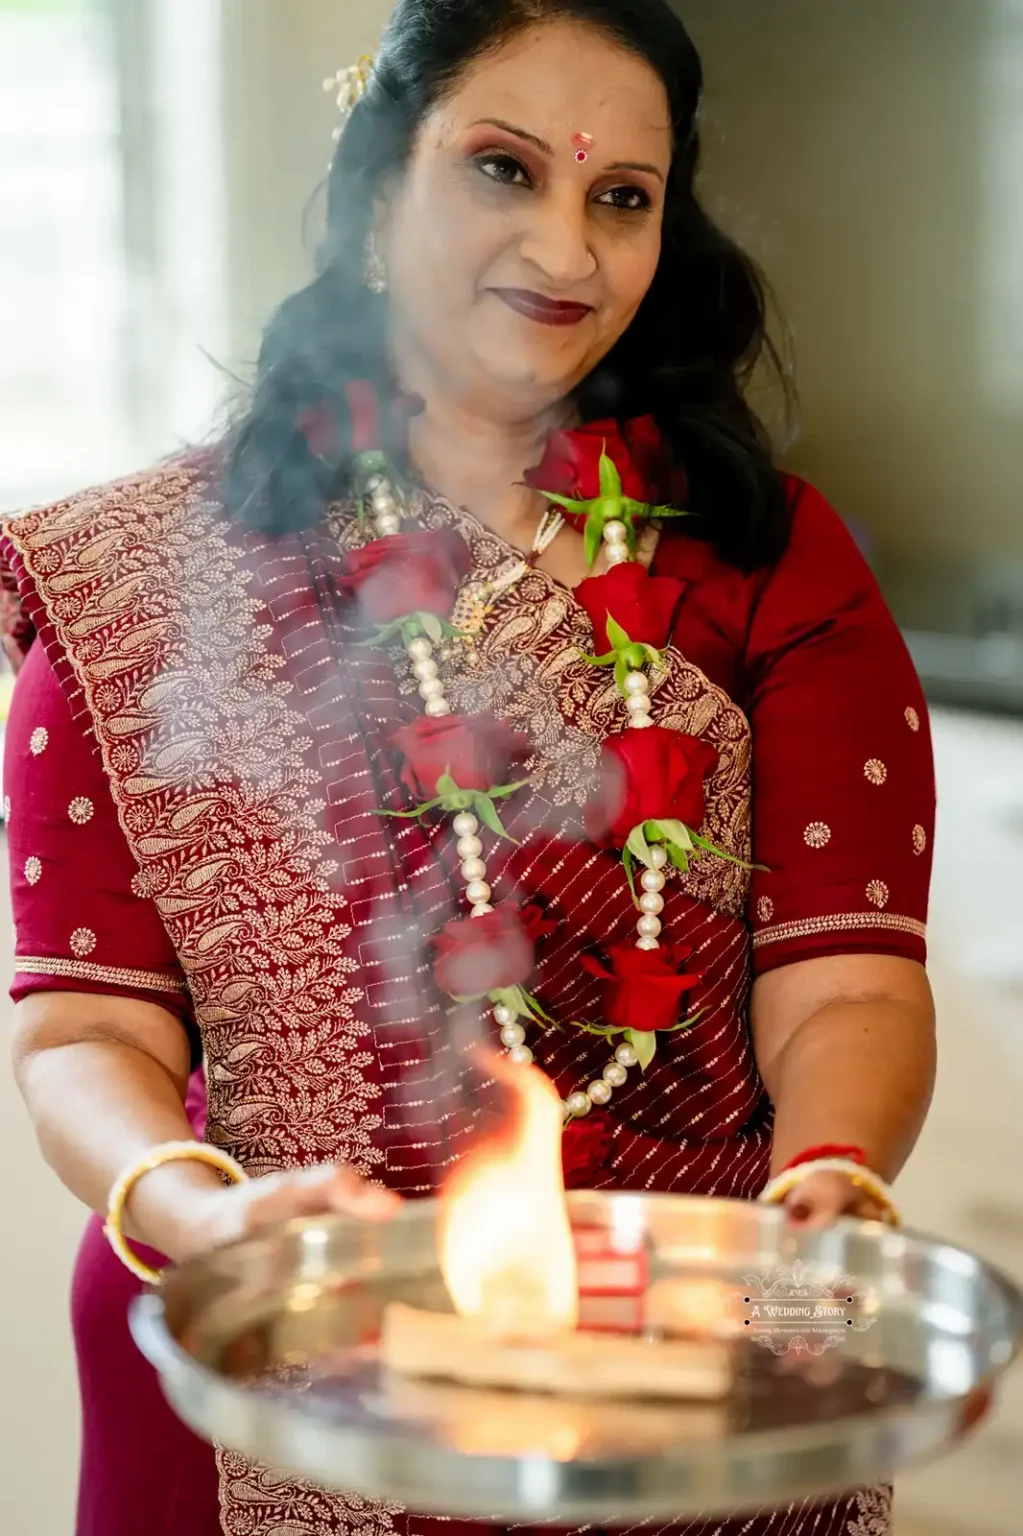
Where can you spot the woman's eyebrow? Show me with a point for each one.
(519, 133)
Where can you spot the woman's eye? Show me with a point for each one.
(626, 199)
(504, 169)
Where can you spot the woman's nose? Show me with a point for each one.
(558, 241)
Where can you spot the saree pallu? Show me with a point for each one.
(244, 735)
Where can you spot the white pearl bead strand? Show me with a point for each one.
(384, 507)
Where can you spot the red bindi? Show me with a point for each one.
(583, 144)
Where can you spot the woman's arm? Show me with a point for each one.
(104, 1034)
(104, 1079)
(846, 1048)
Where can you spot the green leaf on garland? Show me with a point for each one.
(686, 1023)
(578, 507)
(644, 1043)
(622, 670)
(433, 627)
(381, 636)
(616, 634)
(629, 862)
(610, 479)
(507, 790)
(676, 832)
(598, 661)
(639, 848)
(603, 1031)
(593, 536)
(521, 1003)
(679, 857)
(486, 810)
(719, 853)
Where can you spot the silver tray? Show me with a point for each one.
(268, 1348)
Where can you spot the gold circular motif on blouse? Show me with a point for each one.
(765, 909)
(83, 942)
(912, 719)
(878, 894)
(39, 741)
(81, 810)
(919, 840)
(33, 871)
(817, 835)
(875, 771)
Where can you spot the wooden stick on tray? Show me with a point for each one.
(443, 1347)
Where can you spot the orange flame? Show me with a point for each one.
(506, 1248)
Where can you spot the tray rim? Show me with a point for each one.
(888, 1439)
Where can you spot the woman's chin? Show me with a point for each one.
(535, 373)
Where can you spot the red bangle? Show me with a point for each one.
(814, 1155)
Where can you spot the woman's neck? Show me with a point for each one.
(478, 461)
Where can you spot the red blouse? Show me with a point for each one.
(843, 787)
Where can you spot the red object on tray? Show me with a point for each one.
(612, 1283)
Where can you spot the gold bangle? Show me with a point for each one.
(780, 1188)
(170, 1152)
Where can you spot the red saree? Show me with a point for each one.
(196, 768)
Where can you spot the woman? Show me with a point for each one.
(220, 709)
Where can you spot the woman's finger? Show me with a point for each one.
(350, 1195)
(819, 1201)
(823, 1198)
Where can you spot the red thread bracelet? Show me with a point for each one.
(815, 1154)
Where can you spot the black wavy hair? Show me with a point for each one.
(687, 357)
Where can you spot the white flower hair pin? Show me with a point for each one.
(349, 85)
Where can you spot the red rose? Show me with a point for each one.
(571, 464)
(479, 751)
(409, 573)
(644, 988)
(652, 775)
(370, 427)
(585, 1148)
(644, 605)
(476, 955)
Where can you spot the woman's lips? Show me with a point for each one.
(543, 310)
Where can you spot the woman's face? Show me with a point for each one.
(527, 229)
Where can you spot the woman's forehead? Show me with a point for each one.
(561, 79)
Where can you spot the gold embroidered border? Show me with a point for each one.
(839, 922)
(83, 970)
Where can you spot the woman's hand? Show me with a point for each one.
(824, 1197)
(211, 1218)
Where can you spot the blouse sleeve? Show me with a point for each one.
(79, 924)
(843, 778)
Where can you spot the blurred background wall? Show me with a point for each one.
(157, 162)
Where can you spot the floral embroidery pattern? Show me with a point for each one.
(39, 741)
(83, 942)
(878, 894)
(765, 909)
(912, 719)
(873, 1513)
(875, 771)
(228, 836)
(817, 835)
(33, 871)
(919, 840)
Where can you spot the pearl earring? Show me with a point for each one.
(374, 272)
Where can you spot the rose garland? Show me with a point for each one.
(650, 802)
